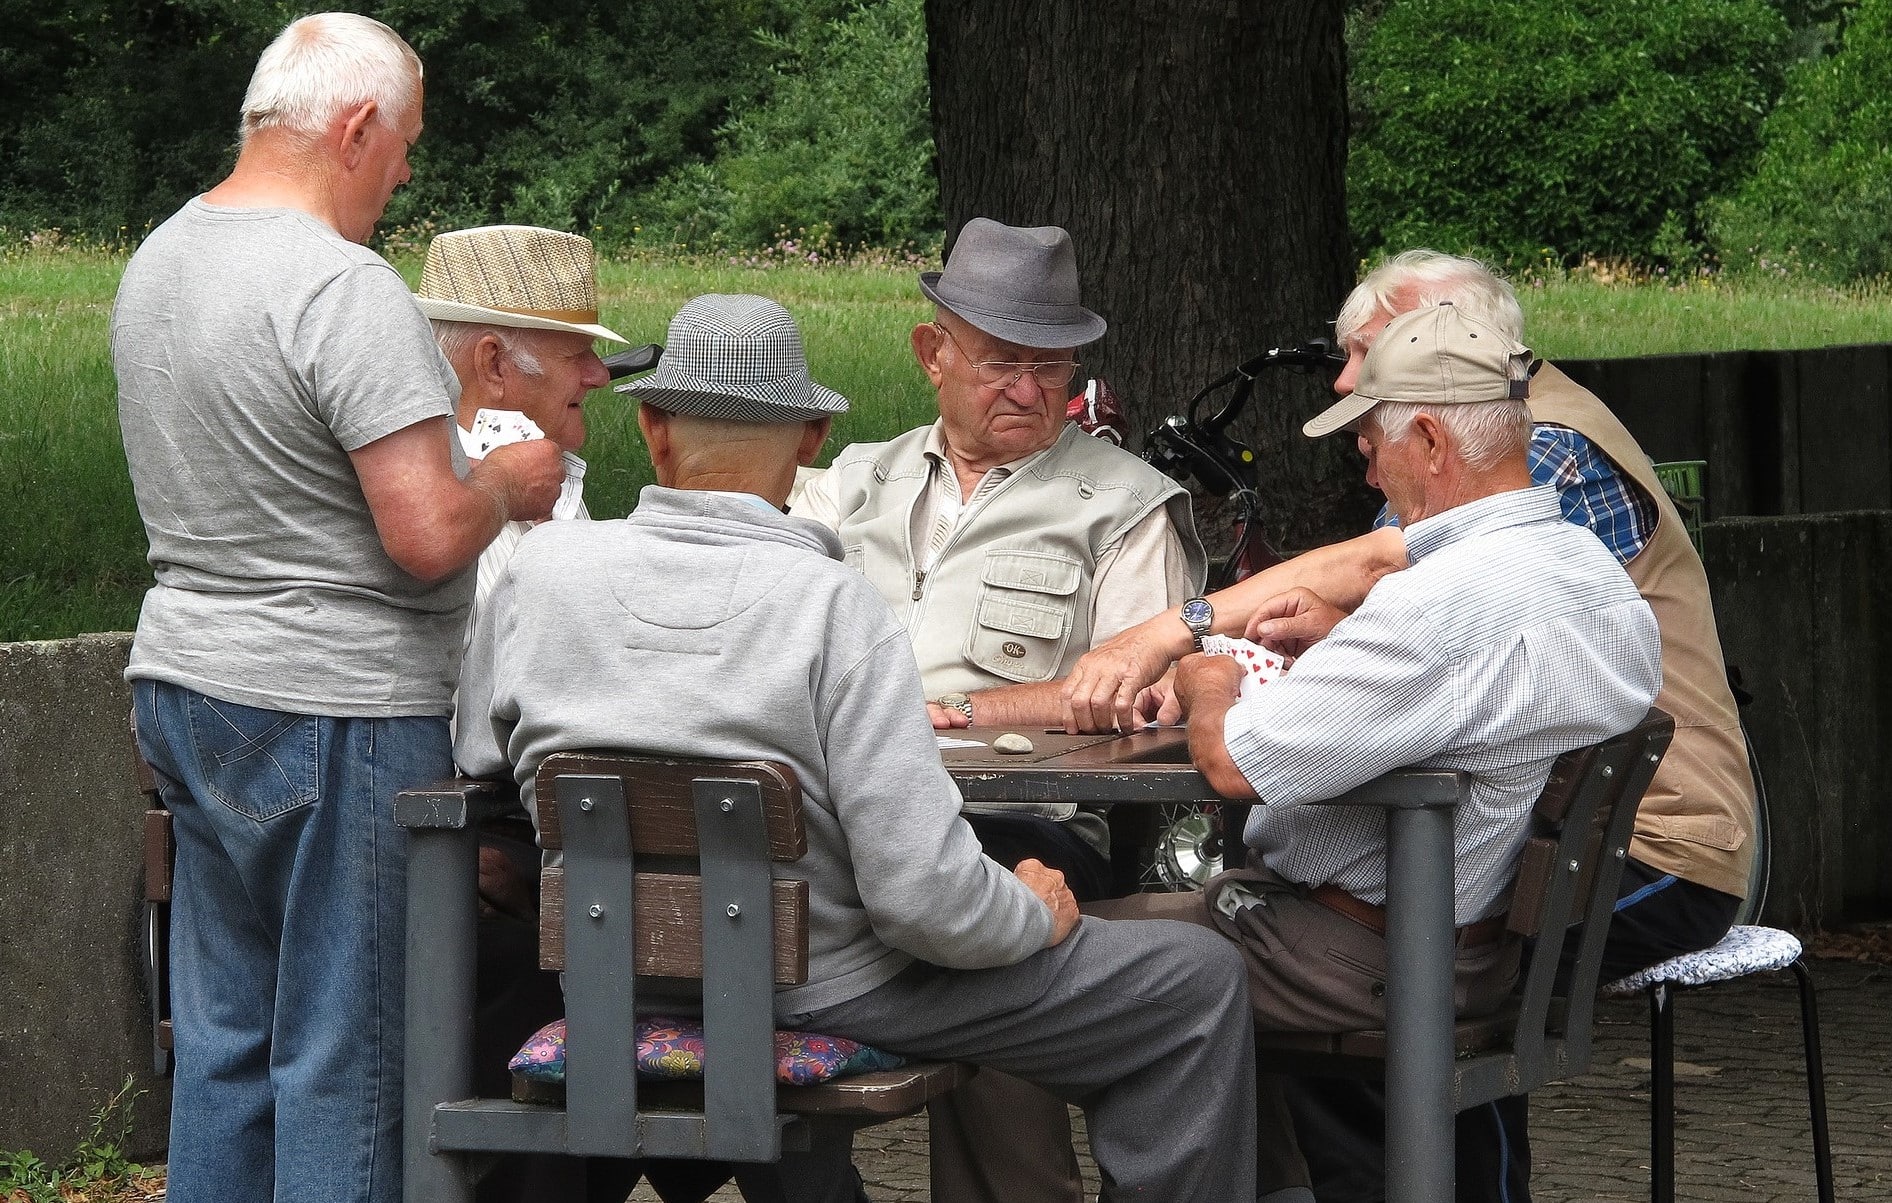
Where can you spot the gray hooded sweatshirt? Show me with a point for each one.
(708, 624)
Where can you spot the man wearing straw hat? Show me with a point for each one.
(287, 424)
(515, 311)
(710, 623)
(1008, 543)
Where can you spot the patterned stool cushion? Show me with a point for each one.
(1742, 951)
(671, 1050)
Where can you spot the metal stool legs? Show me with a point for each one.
(1816, 1080)
(1662, 1088)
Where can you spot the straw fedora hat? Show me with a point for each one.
(737, 357)
(519, 276)
(1015, 283)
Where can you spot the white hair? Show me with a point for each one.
(322, 65)
(458, 338)
(1484, 433)
(1417, 278)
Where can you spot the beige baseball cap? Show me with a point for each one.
(1432, 356)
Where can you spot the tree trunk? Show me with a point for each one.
(1196, 150)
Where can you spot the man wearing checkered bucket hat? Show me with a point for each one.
(710, 623)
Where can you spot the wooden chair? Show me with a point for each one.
(665, 890)
(1565, 891)
(160, 854)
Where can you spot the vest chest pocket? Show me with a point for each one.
(1025, 613)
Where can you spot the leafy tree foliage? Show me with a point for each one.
(1820, 197)
(1569, 126)
(112, 112)
(842, 146)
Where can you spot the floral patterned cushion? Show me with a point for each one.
(671, 1050)
(1742, 951)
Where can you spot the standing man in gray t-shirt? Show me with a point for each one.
(287, 422)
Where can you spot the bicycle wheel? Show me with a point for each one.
(1185, 851)
(1757, 873)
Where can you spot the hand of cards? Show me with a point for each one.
(1259, 665)
(498, 427)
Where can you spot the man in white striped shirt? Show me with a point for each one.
(1513, 637)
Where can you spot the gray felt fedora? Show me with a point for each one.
(1015, 283)
(737, 357)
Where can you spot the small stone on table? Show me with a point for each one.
(1012, 742)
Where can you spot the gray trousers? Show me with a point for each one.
(1143, 1025)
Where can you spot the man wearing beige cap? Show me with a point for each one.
(515, 311)
(1512, 637)
(286, 420)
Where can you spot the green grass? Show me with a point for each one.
(72, 548)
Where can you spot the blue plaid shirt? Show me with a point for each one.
(1590, 489)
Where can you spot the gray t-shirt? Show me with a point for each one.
(256, 348)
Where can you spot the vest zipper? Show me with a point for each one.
(919, 584)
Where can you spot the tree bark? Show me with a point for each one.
(1196, 150)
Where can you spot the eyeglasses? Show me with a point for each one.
(999, 375)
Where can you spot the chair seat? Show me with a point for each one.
(1742, 951)
(875, 1095)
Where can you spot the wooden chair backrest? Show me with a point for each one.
(1567, 879)
(667, 874)
(666, 891)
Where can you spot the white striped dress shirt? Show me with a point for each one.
(1513, 636)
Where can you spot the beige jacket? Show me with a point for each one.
(1697, 819)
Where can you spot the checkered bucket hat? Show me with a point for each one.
(736, 357)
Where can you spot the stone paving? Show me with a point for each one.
(1741, 1126)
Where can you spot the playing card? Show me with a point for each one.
(1259, 665)
(498, 427)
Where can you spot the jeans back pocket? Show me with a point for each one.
(259, 763)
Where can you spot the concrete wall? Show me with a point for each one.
(1784, 432)
(1804, 606)
(73, 1024)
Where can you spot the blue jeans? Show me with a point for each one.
(288, 913)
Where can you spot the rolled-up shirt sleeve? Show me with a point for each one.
(1145, 573)
(1372, 697)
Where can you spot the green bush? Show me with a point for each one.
(841, 148)
(1820, 197)
(113, 112)
(1578, 128)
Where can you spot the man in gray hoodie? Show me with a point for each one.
(709, 623)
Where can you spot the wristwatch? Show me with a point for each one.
(1197, 615)
(956, 701)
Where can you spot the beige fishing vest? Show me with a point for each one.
(1697, 819)
(1009, 599)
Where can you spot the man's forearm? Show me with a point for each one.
(1039, 704)
(1208, 750)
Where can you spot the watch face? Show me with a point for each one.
(1197, 612)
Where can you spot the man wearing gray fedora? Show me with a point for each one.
(711, 623)
(1008, 543)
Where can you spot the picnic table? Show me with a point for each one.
(1152, 767)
